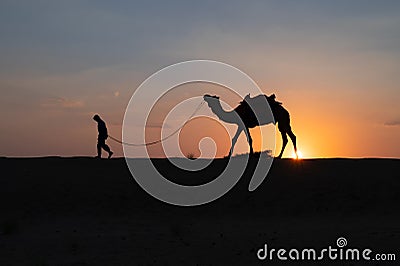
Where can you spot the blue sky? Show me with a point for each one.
(71, 36)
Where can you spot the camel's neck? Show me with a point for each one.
(228, 117)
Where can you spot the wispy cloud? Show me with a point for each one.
(61, 102)
(395, 122)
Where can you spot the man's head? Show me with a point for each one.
(96, 118)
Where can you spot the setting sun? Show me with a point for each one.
(299, 155)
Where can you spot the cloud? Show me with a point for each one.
(395, 122)
(54, 102)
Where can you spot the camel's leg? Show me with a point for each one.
(293, 138)
(249, 139)
(284, 142)
(234, 139)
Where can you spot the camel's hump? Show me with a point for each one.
(259, 104)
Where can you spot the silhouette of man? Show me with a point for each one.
(101, 139)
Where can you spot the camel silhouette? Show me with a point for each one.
(244, 117)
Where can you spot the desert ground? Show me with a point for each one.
(83, 211)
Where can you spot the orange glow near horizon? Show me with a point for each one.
(299, 155)
(326, 125)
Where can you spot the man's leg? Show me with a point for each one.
(100, 143)
(107, 148)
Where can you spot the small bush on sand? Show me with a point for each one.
(191, 156)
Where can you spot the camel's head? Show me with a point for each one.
(210, 99)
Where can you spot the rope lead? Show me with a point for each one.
(160, 140)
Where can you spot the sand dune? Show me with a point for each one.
(81, 211)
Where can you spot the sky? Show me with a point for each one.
(335, 65)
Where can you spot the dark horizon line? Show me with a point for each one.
(219, 158)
